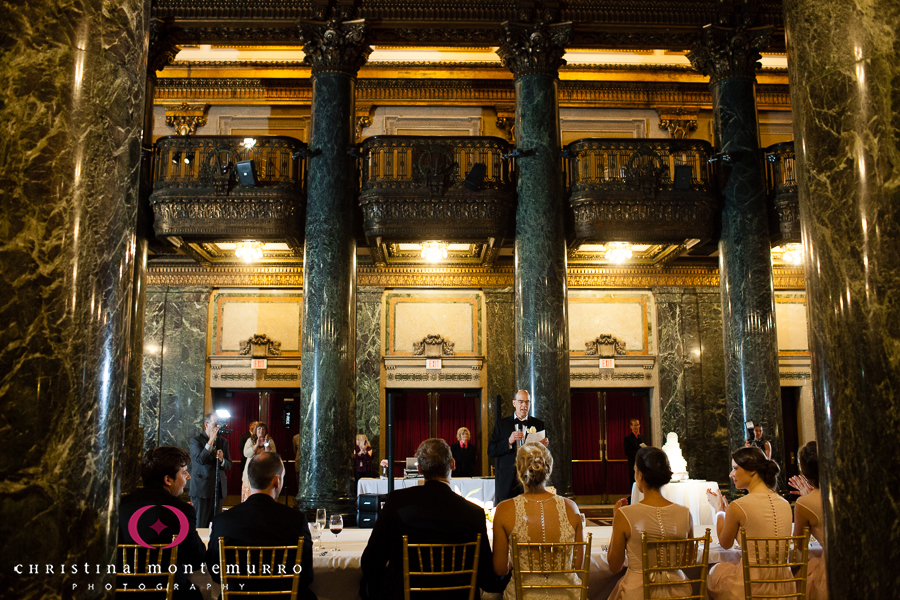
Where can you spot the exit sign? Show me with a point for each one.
(433, 363)
(607, 363)
(258, 363)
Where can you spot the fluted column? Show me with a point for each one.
(533, 52)
(71, 101)
(335, 50)
(845, 94)
(728, 56)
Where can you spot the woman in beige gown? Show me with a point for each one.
(536, 516)
(656, 516)
(808, 513)
(762, 512)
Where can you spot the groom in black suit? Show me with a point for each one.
(431, 514)
(509, 434)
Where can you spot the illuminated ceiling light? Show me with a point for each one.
(434, 251)
(793, 254)
(618, 252)
(248, 143)
(249, 251)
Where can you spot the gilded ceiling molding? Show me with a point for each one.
(237, 276)
(534, 49)
(335, 46)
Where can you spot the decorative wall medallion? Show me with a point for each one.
(433, 345)
(605, 345)
(260, 345)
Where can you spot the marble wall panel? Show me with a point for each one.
(368, 364)
(500, 305)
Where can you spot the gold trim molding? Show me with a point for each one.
(453, 277)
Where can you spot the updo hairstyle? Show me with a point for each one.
(809, 463)
(653, 465)
(754, 460)
(534, 463)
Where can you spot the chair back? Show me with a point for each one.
(771, 562)
(264, 570)
(450, 567)
(660, 559)
(148, 566)
(551, 566)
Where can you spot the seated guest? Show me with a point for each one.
(428, 514)
(762, 512)
(262, 521)
(164, 473)
(464, 453)
(655, 515)
(808, 513)
(537, 515)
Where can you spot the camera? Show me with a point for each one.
(223, 427)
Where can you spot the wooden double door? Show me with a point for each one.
(600, 421)
(422, 414)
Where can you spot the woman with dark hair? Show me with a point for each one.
(762, 513)
(655, 515)
(808, 513)
(537, 516)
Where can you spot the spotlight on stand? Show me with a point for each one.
(246, 173)
(176, 158)
(188, 158)
(475, 177)
(222, 416)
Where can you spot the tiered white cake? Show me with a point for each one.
(676, 459)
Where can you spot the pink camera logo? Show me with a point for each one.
(159, 526)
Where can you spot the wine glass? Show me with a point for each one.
(337, 525)
(321, 519)
(316, 531)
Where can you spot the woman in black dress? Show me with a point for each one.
(464, 453)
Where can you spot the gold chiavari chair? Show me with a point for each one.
(551, 566)
(659, 558)
(774, 559)
(148, 566)
(450, 566)
(264, 570)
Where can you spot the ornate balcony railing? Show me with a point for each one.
(198, 193)
(784, 207)
(417, 188)
(642, 191)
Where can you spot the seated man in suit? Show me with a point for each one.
(262, 521)
(429, 513)
(164, 473)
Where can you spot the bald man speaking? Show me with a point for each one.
(509, 433)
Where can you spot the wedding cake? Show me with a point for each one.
(676, 459)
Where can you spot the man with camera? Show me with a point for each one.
(209, 456)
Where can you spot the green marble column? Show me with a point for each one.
(335, 50)
(728, 56)
(533, 52)
(845, 97)
(72, 81)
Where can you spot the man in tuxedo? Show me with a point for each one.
(262, 521)
(208, 451)
(431, 514)
(164, 473)
(633, 443)
(509, 434)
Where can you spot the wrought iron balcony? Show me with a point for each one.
(201, 195)
(784, 206)
(419, 188)
(642, 191)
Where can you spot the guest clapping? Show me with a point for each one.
(258, 443)
(655, 515)
(464, 453)
(761, 512)
(808, 513)
(362, 457)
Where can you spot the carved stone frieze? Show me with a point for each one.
(335, 46)
(433, 346)
(163, 46)
(186, 118)
(260, 345)
(729, 52)
(605, 345)
(534, 49)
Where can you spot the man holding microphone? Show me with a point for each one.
(510, 433)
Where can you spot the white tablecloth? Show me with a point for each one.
(468, 487)
(690, 493)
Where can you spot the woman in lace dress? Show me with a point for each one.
(762, 512)
(654, 514)
(536, 516)
(808, 513)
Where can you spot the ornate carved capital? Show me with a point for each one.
(186, 118)
(728, 52)
(534, 49)
(163, 46)
(678, 121)
(335, 46)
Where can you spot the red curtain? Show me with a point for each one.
(587, 478)
(283, 436)
(456, 410)
(621, 407)
(410, 427)
(244, 409)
